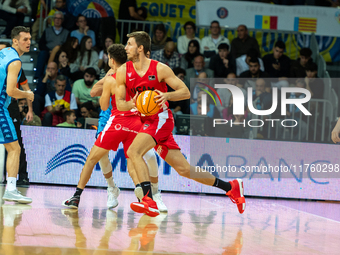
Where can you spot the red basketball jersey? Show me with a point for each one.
(149, 81)
(115, 111)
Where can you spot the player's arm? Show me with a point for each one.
(336, 132)
(181, 91)
(12, 78)
(97, 88)
(105, 98)
(122, 104)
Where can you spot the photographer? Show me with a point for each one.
(23, 109)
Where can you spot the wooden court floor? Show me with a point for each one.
(194, 225)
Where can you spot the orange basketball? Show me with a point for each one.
(146, 103)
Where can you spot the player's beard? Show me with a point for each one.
(135, 57)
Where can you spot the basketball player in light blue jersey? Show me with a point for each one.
(10, 71)
(105, 164)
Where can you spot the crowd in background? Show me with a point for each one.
(71, 61)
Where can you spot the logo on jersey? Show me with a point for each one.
(152, 77)
(159, 150)
(132, 79)
(129, 74)
(146, 126)
(118, 127)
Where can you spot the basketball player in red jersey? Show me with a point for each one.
(141, 74)
(121, 127)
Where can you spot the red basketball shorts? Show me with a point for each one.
(119, 129)
(160, 127)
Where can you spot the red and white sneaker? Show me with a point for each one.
(236, 194)
(147, 206)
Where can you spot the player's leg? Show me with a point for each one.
(112, 190)
(151, 161)
(12, 166)
(141, 144)
(233, 189)
(96, 154)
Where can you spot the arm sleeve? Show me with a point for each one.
(73, 104)
(74, 67)
(47, 100)
(7, 8)
(75, 90)
(181, 47)
(94, 61)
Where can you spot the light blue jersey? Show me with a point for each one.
(7, 133)
(103, 118)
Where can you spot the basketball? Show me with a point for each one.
(146, 103)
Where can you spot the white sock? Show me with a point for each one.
(110, 182)
(11, 183)
(154, 188)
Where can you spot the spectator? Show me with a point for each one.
(183, 40)
(87, 110)
(188, 58)
(51, 37)
(262, 100)
(313, 83)
(297, 69)
(253, 73)
(196, 108)
(23, 108)
(222, 64)
(62, 63)
(127, 11)
(243, 42)
(143, 12)
(83, 30)
(159, 38)
(57, 102)
(167, 55)
(13, 12)
(209, 44)
(277, 65)
(86, 58)
(103, 56)
(82, 88)
(60, 5)
(45, 86)
(70, 117)
(197, 69)
(225, 94)
(242, 62)
(70, 47)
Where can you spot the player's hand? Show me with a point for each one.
(133, 101)
(29, 116)
(162, 98)
(30, 95)
(335, 132)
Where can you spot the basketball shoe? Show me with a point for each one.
(112, 195)
(147, 206)
(236, 194)
(15, 196)
(72, 202)
(160, 204)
